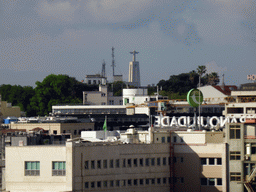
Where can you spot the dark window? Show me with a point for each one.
(86, 164)
(111, 163)
(99, 184)
(92, 164)
(174, 160)
(219, 161)
(235, 176)
(129, 162)
(158, 161)
(235, 131)
(105, 164)
(203, 181)
(99, 164)
(86, 185)
(92, 184)
(147, 162)
(135, 182)
(105, 184)
(153, 181)
(117, 163)
(211, 181)
(32, 168)
(211, 161)
(168, 139)
(164, 160)
(219, 181)
(74, 132)
(203, 161)
(152, 161)
(135, 162)
(174, 139)
(54, 132)
(141, 162)
(164, 180)
(147, 181)
(235, 155)
(163, 139)
(181, 159)
(111, 183)
(117, 183)
(182, 179)
(141, 181)
(124, 162)
(158, 180)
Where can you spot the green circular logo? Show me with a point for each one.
(195, 97)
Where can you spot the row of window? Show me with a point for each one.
(32, 168)
(90, 111)
(211, 181)
(117, 163)
(168, 139)
(211, 161)
(131, 182)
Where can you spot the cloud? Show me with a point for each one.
(60, 10)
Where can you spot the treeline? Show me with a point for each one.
(54, 89)
(177, 86)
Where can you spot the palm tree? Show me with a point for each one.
(201, 70)
(213, 78)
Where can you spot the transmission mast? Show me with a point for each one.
(113, 61)
(103, 71)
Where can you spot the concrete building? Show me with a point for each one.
(8, 110)
(55, 128)
(172, 161)
(101, 97)
(134, 71)
(95, 80)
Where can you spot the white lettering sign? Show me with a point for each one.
(184, 121)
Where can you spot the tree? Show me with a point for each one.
(213, 78)
(201, 70)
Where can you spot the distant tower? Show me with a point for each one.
(113, 61)
(134, 71)
(103, 72)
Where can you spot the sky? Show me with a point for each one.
(73, 37)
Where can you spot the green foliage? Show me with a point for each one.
(116, 88)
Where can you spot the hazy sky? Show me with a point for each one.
(40, 37)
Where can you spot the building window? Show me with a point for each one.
(135, 182)
(92, 184)
(99, 164)
(235, 155)
(158, 180)
(135, 163)
(174, 160)
(32, 168)
(111, 183)
(164, 160)
(103, 94)
(129, 182)
(86, 185)
(182, 180)
(211, 161)
(141, 182)
(235, 176)
(158, 161)
(147, 181)
(92, 164)
(121, 102)
(152, 161)
(141, 162)
(111, 102)
(94, 82)
(89, 82)
(235, 131)
(117, 163)
(147, 162)
(74, 132)
(164, 180)
(174, 139)
(203, 161)
(181, 140)
(86, 165)
(153, 181)
(124, 162)
(105, 164)
(168, 139)
(58, 168)
(219, 181)
(99, 184)
(103, 103)
(111, 163)
(211, 181)
(163, 139)
(123, 183)
(117, 183)
(129, 162)
(219, 161)
(105, 184)
(203, 181)
(181, 159)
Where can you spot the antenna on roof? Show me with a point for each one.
(113, 61)
(103, 71)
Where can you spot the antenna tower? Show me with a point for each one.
(103, 71)
(113, 61)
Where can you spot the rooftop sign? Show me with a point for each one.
(195, 97)
(251, 77)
